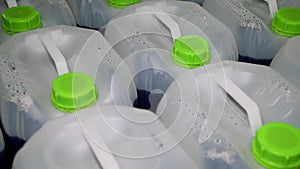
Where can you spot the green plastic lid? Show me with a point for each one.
(286, 22)
(73, 91)
(277, 146)
(191, 51)
(122, 3)
(20, 19)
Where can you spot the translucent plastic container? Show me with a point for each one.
(287, 61)
(258, 35)
(96, 13)
(217, 111)
(103, 137)
(161, 40)
(33, 14)
(54, 71)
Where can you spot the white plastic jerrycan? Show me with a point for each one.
(287, 61)
(217, 112)
(51, 72)
(24, 15)
(260, 28)
(103, 137)
(96, 13)
(159, 41)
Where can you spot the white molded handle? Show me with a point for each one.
(58, 58)
(240, 97)
(165, 19)
(105, 159)
(11, 3)
(272, 7)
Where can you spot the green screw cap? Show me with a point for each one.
(191, 51)
(277, 146)
(73, 91)
(286, 22)
(122, 3)
(20, 19)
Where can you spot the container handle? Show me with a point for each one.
(272, 7)
(105, 159)
(165, 19)
(241, 98)
(11, 3)
(58, 58)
